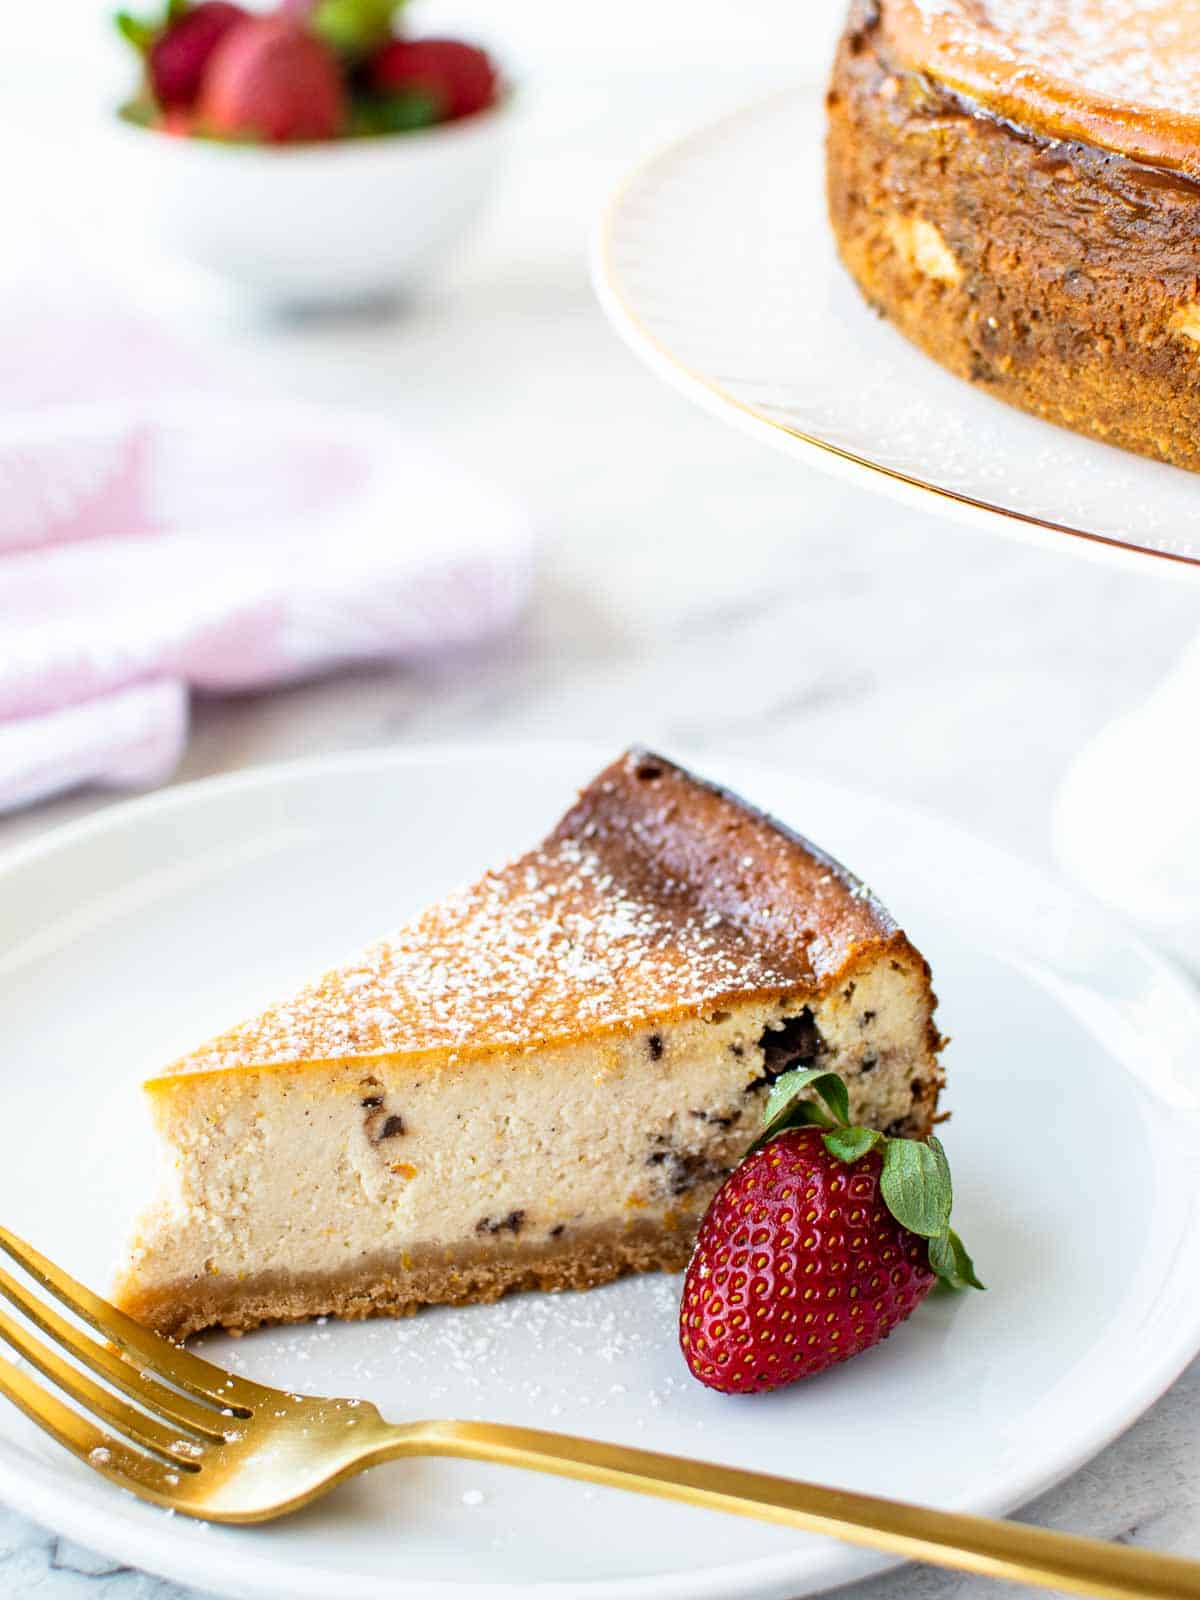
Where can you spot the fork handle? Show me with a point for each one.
(983, 1545)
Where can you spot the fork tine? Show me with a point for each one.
(127, 1468)
(108, 1364)
(169, 1361)
(146, 1431)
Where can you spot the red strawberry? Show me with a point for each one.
(457, 77)
(178, 122)
(178, 56)
(803, 1258)
(269, 79)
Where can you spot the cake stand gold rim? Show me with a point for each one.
(607, 282)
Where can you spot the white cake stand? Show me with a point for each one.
(715, 263)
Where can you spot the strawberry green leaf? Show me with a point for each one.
(141, 112)
(141, 35)
(784, 1098)
(401, 112)
(785, 1107)
(832, 1090)
(949, 1259)
(353, 27)
(939, 1154)
(851, 1144)
(915, 1184)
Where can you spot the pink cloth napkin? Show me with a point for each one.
(151, 543)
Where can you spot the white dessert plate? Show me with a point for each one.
(1076, 1115)
(716, 263)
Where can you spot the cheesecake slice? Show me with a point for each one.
(538, 1083)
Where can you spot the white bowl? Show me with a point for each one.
(314, 224)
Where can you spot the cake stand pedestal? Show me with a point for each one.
(1127, 818)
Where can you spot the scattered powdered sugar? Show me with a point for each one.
(655, 895)
(1130, 52)
(552, 946)
(560, 1359)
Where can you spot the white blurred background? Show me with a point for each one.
(597, 85)
(676, 35)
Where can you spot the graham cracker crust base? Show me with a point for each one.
(398, 1285)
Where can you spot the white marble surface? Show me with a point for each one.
(694, 587)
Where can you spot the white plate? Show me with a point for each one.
(1076, 1119)
(716, 262)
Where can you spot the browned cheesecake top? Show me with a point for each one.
(1121, 74)
(657, 896)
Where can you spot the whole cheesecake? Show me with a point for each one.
(1016, 184)
(538, 1083)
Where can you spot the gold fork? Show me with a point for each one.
(211, 1445)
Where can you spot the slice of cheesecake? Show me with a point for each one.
(540, 1082)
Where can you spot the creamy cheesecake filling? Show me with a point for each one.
(324, 1167)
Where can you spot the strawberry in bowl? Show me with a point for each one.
(319, 152)
(324, 69)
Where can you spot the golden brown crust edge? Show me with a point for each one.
(654, 824)
(1063, 279)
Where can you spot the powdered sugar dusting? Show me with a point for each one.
(656, 896)
(1130, 53)
(600, 1353)
(549, 946)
